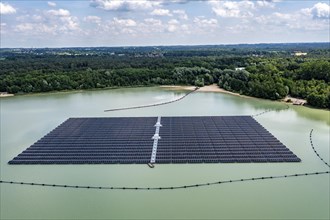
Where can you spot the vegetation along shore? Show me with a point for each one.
(269, 71)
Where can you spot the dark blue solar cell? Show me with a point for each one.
(214, 139)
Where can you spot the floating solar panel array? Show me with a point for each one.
(141, 140)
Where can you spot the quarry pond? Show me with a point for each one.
(25, 119)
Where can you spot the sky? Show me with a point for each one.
(92, 23)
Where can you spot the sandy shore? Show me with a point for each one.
(216, 88)
(210, 88)
(179, 87)
(6, 95)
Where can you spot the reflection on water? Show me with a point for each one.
(25, 119)
(313, 114)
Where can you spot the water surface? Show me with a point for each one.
(25, 119)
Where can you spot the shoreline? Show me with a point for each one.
(6, 95)
(216, 88)
(209, 88)
(75, 91)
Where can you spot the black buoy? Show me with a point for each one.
(151, 165)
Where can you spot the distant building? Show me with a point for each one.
(299, 53)
(240, 68)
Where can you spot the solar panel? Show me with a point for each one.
(141, 140)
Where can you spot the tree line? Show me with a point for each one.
(266, 77)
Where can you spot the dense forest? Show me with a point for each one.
(264, 71)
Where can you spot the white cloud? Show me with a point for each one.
(161, 12)
(201, 21)
(25, 27)
(37, 18)
(133, 5)
(124, 22)
(173, 22)
(51, 22)
(69, 23)
(266, 3)
(93, 19)
(175, 1)
(118, 26)
(233, 9)
(63, 20)
(297, 20)
(124, 5)
(6, 9)
(185, 28)
(279, 20)
(3, 28)
(239, 9)
(282, 16)
(172, 25)
(319, 10)
(172, 28)
(240, 28)
(30, 18)
(34, 29)
(51, 4)
(151, 25)
(158, 21)
(60, 12)
(181, 14)
(153, 22)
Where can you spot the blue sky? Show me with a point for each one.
(161, 22)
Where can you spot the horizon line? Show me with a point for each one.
(170, 45)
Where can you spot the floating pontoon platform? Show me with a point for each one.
(157, 140)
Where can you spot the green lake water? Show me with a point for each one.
(25, 119)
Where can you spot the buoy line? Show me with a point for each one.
(178, 187)
(179, 99)
(316, 153)
(270, 110)
(151, 105)
(166, 188)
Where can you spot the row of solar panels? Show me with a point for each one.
(87, 150)
(102, 132)
(131, 141)
(161, 144)
(193, 128)
(147, 155)
(221, 134)
(147, 150)
(167, 128)
(164, 139)
(184, 140)
(133, 156)
(159, 154)
(160, 161)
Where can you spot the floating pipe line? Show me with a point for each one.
(151, 105)
(176, 187)
(269, 110)
(179, 99)
(166, 188)
(317, 154)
